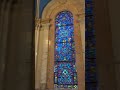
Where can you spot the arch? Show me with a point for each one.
(49, 14)
(77, 7)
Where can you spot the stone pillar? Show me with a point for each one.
(37, 8)
(38, 53)
(37, 35)
(44, 59)
(41, 56)
(81, 63)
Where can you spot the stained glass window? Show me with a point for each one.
(90, 50)
(65, 73)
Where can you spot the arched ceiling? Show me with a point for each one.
(43, 3)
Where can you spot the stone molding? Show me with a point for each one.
(41, 24)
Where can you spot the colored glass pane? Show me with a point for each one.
(66, 36)
(64, 19)
(90, 49)
(65, 73)
(65, 52)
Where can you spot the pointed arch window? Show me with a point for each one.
(65, 73)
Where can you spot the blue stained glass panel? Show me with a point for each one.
(65, 52)
(89, 8)
(64, 18)
(65, 73)
(64, 33)
(90, 48)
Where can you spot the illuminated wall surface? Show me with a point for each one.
(90, 49)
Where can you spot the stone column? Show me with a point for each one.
(37, 8)
(37, 35)
(79, 31)
(44, 59)
(38, 53)
(41, 52)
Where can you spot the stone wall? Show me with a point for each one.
(16, 45)
(105, 61)
(115, 29)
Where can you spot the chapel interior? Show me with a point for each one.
(59, 45)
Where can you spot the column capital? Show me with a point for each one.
(42, 24)
(37, 23)
(45, 25)
(81, 17)
(37, 20)
(44, 21)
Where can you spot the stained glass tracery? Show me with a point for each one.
(65, 73)
(90, 48)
